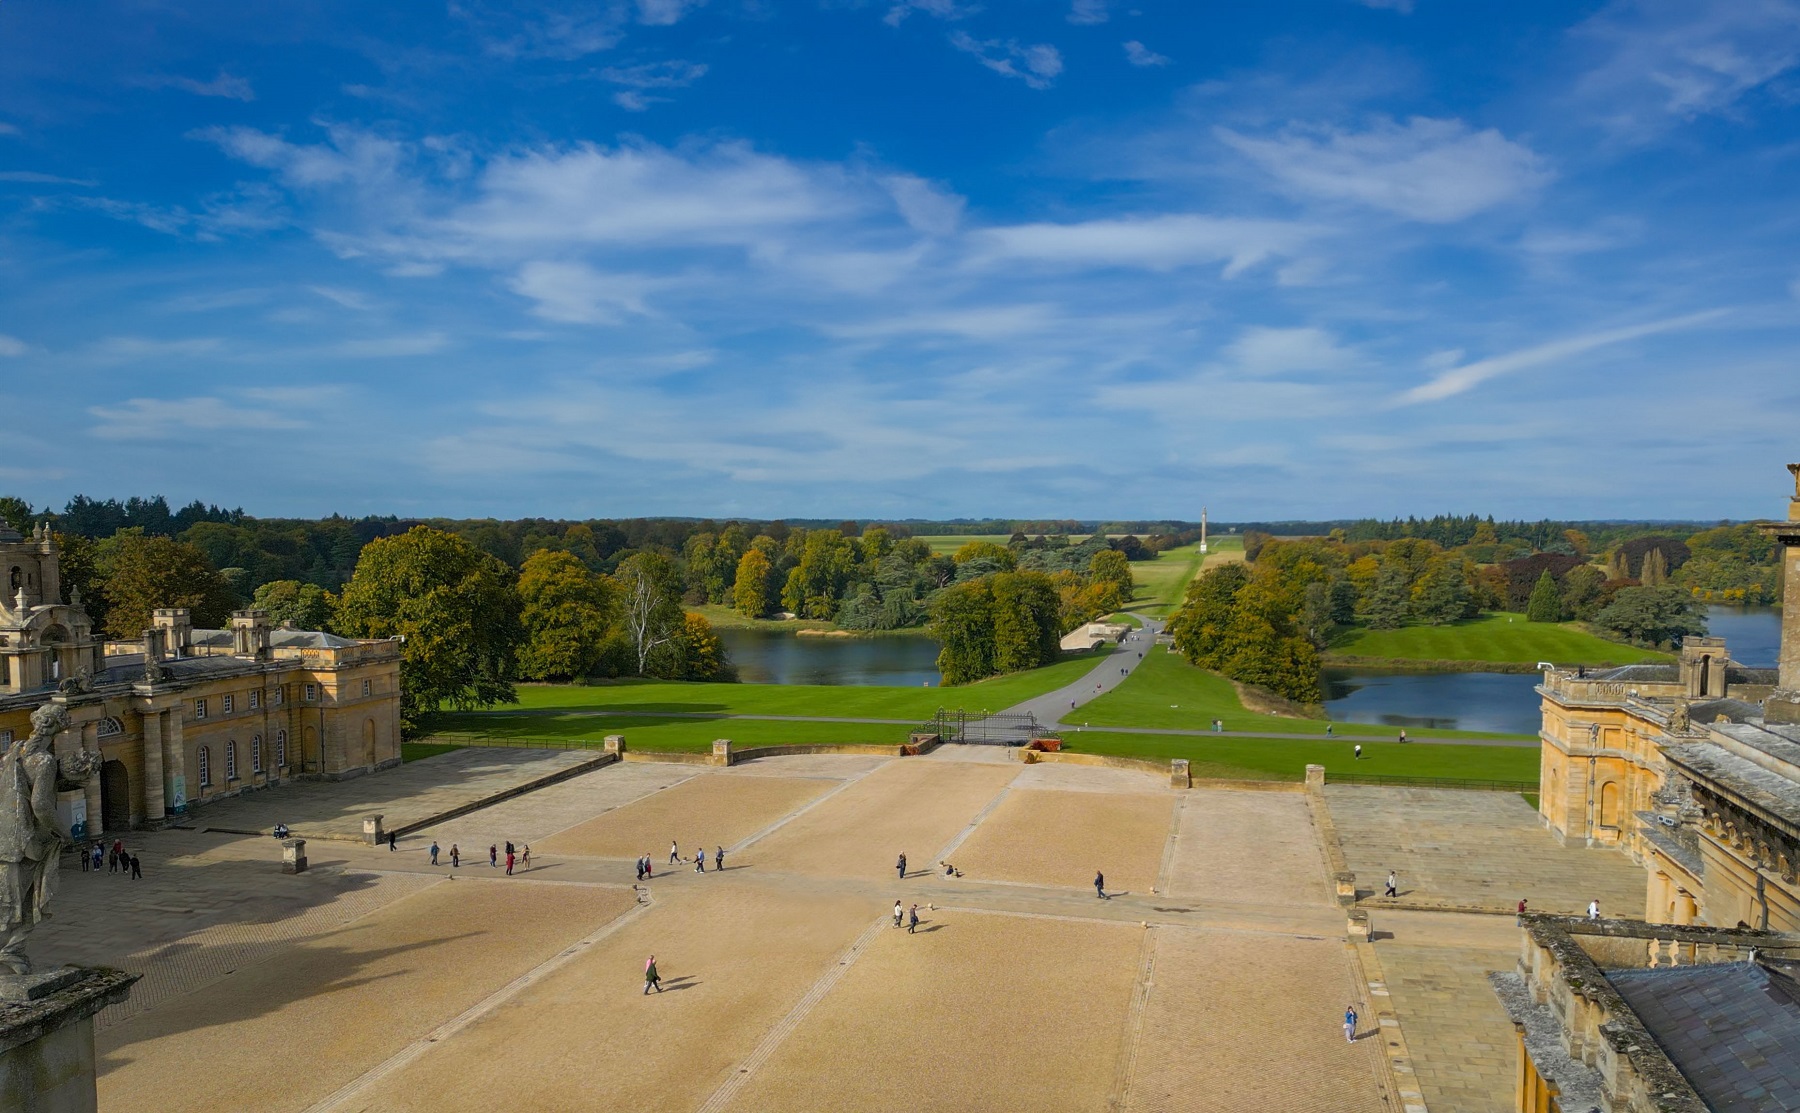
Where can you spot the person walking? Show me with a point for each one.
(912, 922)
(99, 853)
(1402, 735)
(1100, 885)
(640, 867)
(1358, 751)
(510, 855)
(1521, 906)
(1593, 910)
(898, 913)
(493, 855)
(391, 839)
(137, 867)
(718, 858)
(1393, 885)
(652, 980)
(455, 856)
(82, 852)
(1328, 733)
(1349, 1023)
(434, 852)
(648, 871)
(112, 858)
(525, 856)
(700, 859)
(901, 866)
(674, 853)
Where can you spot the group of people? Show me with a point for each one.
(516, 857)
(116, 857)
(910, 915)
(675, 859)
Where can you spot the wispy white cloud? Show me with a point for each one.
(1088, 11)
(1404, 7)
(1429, 170)
(8, 129)
(1458, 380)
(650, 75)
(348, 299)
(164, 419)
(1140, 55)
(224, 85)
(33, 177)
(563, 30)
(1152, 242)
(1037, 65)
(926, 207)
(576, 293)
(663, 13)
(941, 9)
(135, 349)
(987, 323)
(12, 346)
(1672, 58)
(398, 346)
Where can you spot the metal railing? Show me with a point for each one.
(997, 729)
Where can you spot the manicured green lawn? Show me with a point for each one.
(1495, 637)
(1124, 619)
(1286, 759)
(649, 732)
(852, 701)
(950, 542)
(1166, 692)
(726, 617)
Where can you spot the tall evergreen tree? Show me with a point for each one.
(1546, 601)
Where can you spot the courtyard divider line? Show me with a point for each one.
(1134, 1024)
(963, 835)
(1396, 1069)
(1168, 858)
(798, 812)
(783, 1028)
(1074, 918)
(412, 1051)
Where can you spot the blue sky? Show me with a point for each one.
(1086, 258)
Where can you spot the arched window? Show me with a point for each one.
(205, 767)
(256, 754)
(281, 749)
(231, 761)
(1609, 804)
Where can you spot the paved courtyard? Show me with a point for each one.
(403, 986)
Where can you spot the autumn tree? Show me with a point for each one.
(751, 595)
(702, 651)
(456, 608)
(568, 613)
(1111, 567)
(139, 573)
(962, 621)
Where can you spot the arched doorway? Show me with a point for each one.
(369, 743)
(115, 796)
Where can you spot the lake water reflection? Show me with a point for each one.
(774, 657)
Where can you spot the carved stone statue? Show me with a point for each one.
(1678, 719)
(30, 842)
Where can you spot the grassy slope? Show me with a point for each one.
(1162, 583)
(1492, 638)
(1166, 692)
(1287, 759)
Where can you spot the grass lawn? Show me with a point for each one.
(1166, 692)
(1162, 583)
(950, 542)
(1496, 638)
(1282, 759)
(649, 732)
(1123, 619)
(726, 617)
(852, 701)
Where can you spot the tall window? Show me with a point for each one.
(365, 687)
(255, 698)
(310, 690)
(281, 749)
(199, 709)
(231, 761)
(227, 704)
(205, 766)
(256, 754)
(275, 696)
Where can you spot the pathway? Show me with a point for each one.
(1102, 678)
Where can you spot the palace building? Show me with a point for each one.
(1692, 768)
(186, 715)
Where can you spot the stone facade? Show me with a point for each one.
(187, 715)
(1692, 768)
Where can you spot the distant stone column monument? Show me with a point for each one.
(46, 1017)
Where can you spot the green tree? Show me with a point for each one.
(138, 574)
(1110, 566)
(1546, 600)
(877, 542)
(649, 589)
(817, 582)
(457, 609)
(1655, 572)
(1027, 621)
(702, 650)
(1000, 556)
(294, 604)
(1442, 593)
(568, 613)
(962, 621)
(1388, 599)
(1652, 615)
(16, 512)
(750, 594)
(1583, 593)
(1199, 625)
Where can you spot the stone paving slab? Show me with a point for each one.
(537, 815)
(1464, 1051)
(700, 813)
(1237, 1022)
(405, 795)
(733, 962)
(1462, 847)
(1252, 847)
(280, 1034)
(836, 766)
(1090, 778)
(935, 1021)
(1060, 838)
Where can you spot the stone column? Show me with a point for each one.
(176, 789)
(1784, 705)
(90, 740)
(372, 829)
(153, 767)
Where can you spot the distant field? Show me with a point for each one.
(1284, 759)
(1496, 638)
(950, 542)
(1167, 693)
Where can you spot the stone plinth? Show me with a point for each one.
(1178, 773)
(1360, 929)
(1315, 778)
(47, 1041)
(1345, 882)
(293, 855)
(372, 829)
(615, 744)
(721, 751)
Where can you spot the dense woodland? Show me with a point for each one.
(1268, 622)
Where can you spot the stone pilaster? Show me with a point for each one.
(153, 768)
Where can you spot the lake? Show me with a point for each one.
(777, 657)
(1507, 702)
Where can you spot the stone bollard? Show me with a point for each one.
(1346, 887)
(721, 754)
(1361, 931)
(293, 855)
(1315, 778)
(1178, 773)
(372, 830)
(615, 744)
